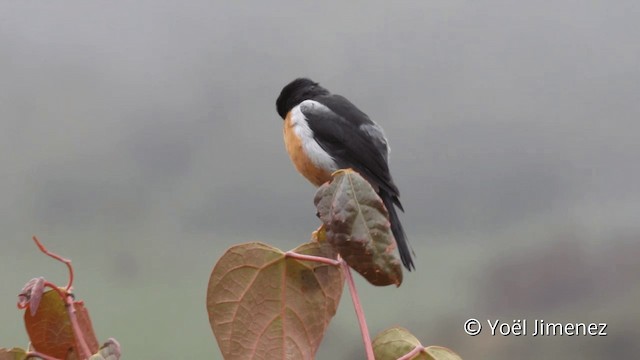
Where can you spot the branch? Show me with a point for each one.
(366, 338)
(32, 354)
(83, 348)
(319, 259)
(59, 258)
(362, 321)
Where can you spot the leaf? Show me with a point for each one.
(110, 350)
(357, 225)
(12, 354)
(50, 329)
(86, 327)
(441, 353)
(265, 305)
(393, 343)
(31, 295)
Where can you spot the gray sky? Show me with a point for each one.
(141, 139)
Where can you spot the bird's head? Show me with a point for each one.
(297, 91)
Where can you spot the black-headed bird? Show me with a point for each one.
(325, 132)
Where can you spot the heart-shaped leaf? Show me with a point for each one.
(357, 225)
(263, 304)
(394, 343)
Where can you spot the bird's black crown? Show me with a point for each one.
(296, 92)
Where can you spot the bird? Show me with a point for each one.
(325, 132)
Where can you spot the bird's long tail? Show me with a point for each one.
(389, 201)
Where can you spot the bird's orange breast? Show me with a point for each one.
(305, 166)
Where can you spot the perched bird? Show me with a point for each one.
(324, 132)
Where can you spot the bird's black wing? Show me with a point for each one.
(354, 141)
(351, 138)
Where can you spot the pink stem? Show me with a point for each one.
(59, 258)
(366, 338)
(319, 259)
(416, 350)
(83, 350)
(39, 355)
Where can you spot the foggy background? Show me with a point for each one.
(140, 139)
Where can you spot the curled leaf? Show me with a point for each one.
(110, 350)
(31, 294)
(263, 304)
(357, 225)
(36, 295)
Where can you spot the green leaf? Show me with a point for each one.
(265, 305)
(441, 353)
(357, 225)
(396, 342)
(12, 354)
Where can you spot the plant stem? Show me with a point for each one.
(83, 348)
(319, 259)
(40, 355)
(59, 258)
(416, 350)
(366, 338)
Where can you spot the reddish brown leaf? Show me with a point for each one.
(265, 305)
(357, 225)
(86, 327)
(50, 329)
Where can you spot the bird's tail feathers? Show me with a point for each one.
(396, 228)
